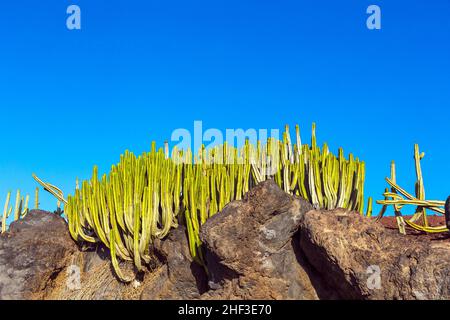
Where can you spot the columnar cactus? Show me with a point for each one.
(143, 197)
(36, 198)
(398, 197)
(20, 209)
(447, 212)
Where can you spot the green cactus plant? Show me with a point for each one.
(20, 209)
(398, 197)
(36, 198)
(143, 197)
(6, 212)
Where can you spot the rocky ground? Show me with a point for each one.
(268, 246)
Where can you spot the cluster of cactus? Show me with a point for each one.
(143, 197)
(137, 202)
(319, 176)
(20, 208)
(398, 197)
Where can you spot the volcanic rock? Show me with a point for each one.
(249, 249)
(32, 253)
(360, 259)
(270, 245)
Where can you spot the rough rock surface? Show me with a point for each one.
(180, 277)
(360, 259)
(173, 275)
(249, 250)
(90, 277)
(34, 251)
(270, 245)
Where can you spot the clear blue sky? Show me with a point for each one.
(140, 69)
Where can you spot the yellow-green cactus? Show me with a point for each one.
(399, 197)
(143, 197)
(20, 209)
